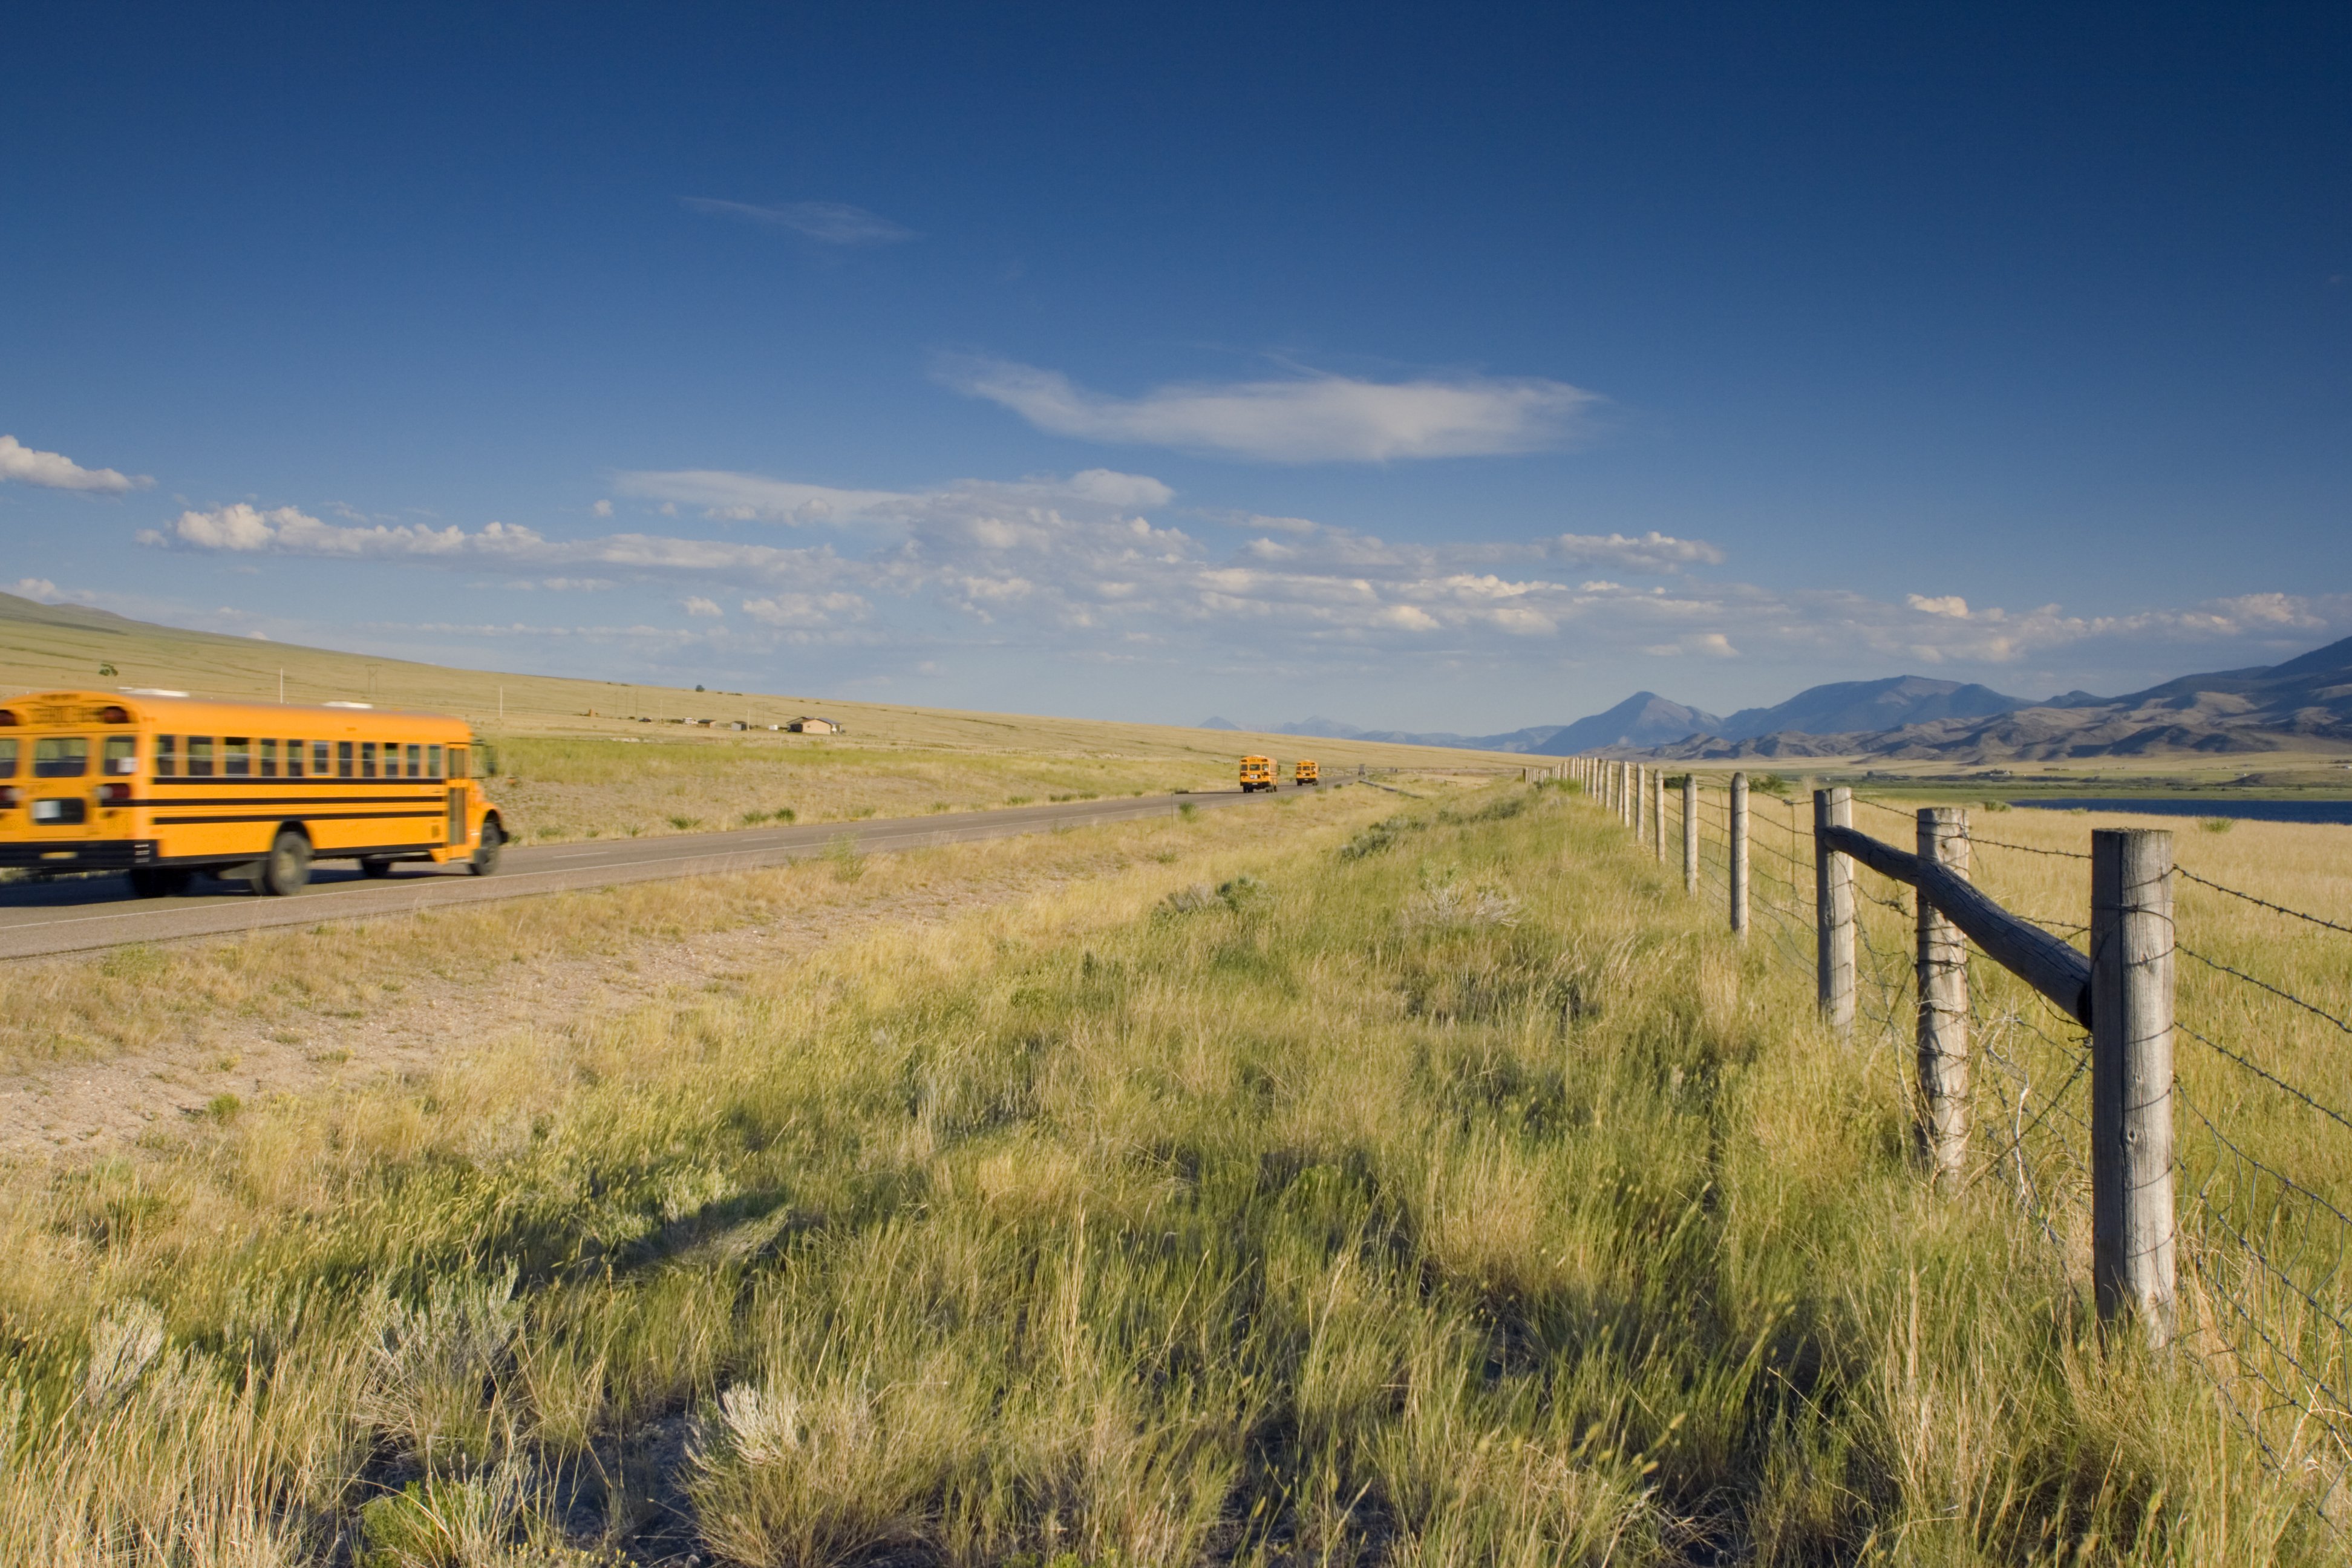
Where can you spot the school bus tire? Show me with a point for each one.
(286, 869)
(484, 858)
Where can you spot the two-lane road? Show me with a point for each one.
(43, 918)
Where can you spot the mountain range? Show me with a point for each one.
(1913, 717)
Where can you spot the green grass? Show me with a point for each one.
(1446, 1190)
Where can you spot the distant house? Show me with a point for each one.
(808, 725)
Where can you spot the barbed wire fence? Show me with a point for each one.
(2263, 1091)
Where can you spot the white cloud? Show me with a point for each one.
(241, 527)
(1300, 419)
(827, 223)
(1079, 565)
(602, 508)
(39, 588)
(287, 531)
(745, 498)
(805, 610)
(55, 470)
(1651, 551)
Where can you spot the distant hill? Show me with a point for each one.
(2265, 707)
(1215, 723)
(1847, 707)
(50, 647)
(1914, 717)
(1644, 718)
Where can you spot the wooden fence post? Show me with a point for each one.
(1641, 819)
(1943, 983)
(1690, 833)
(1658, 813)
(1833, 912)
(2131, 1076)
(1739, 854)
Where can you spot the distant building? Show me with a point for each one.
(808, 725)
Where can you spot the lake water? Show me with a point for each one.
(2332, 811)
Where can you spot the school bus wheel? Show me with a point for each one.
(486, 858)
(375, 866)
(287, 869)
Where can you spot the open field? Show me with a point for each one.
(95, 1051)
(578, 764)
(1441, 1186)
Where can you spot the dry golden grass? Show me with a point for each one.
(1447, 1189)
(135, 998)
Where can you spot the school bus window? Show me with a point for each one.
(293, 759)
(200, 756)
(318, 759)
(457, 762)
(343, 759)
(60, 757)
(237, 757)
(432, 762)
(417, 761)
(367, 759)
(8, 758)
(121, 756)
(265, 759)
(167, 759)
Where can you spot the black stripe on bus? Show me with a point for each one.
(298, 780)
(288, 800)
(303, 817)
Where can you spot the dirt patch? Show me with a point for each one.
(235, 1061)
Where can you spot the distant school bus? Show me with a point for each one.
(162, 786)
(1304, 772)
(1257, 772)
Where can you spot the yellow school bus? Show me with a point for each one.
(1304, 772)
(162, 786)
(1257, 772)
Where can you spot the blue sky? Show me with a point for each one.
(1430, 367)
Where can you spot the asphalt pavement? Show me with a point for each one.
(74, 915)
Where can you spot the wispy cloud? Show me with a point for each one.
(56, 471)
(1651, 551)
(827, 223)
(1295, 419)
(745, 498)
(1080, 567)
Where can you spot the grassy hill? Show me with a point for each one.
(582, 763)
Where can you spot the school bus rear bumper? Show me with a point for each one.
(76, 854)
